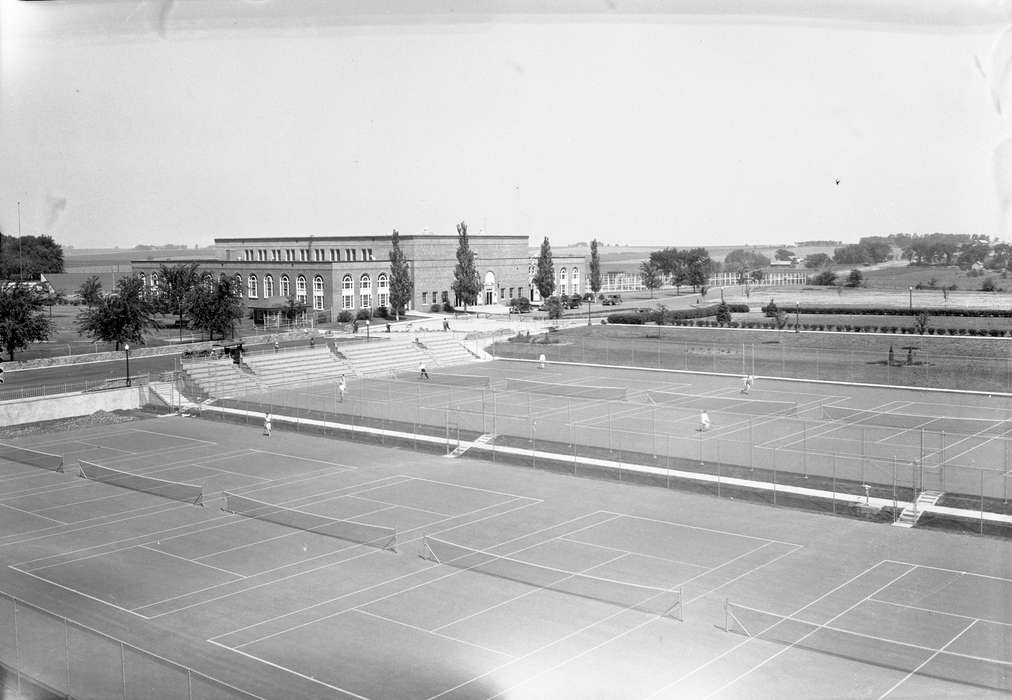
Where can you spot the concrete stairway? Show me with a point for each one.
(221, 378)
(170, 395)
(383, 357)
(445, 350)
(910, 514)
(298, 367)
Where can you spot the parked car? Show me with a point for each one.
(611, 299)
(572, 302)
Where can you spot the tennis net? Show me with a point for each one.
(727, 404)
(177, 491)
(580, 390)
(949, 424)
(33, 458)
(907, 657)
(475, 380)
(372, 535)
(663, 602)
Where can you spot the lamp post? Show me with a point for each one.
(126, 347)
(911, 291)
(590, 302)
(797, 317)
(367, 324)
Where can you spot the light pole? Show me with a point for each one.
(911, 291)
(126, 347)
(367, 324)
(797, 317)
(590, 302)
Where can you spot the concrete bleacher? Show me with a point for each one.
(445, 350)
(220, 378)
(383, 356)
(298, 366)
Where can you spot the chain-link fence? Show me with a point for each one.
(43, 654)
(779, 459)
(902, 361)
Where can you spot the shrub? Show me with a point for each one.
(448, 307)
(624, 317)
(770, 310)
(826, 278)
(345, 316)
(520, 304)
(435, 308)
(854, 278)
(988, 285)
(723, 315)
(363, 314)
(554, 308)
(921, 322)
(380, 312)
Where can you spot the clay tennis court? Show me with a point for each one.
(501, 580)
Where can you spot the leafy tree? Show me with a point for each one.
(973, 251)
(400, 277)
(544, 276)
(466, 283)
(672, 263)
(817, 260)
(852, 254)
(1000, 255)
(22, 320)
(741, 260)
(215, 305)
(699, 266)
(854, 278)
(294, 308)
(27, 257)
(826, 278)
(554, 308)
(122, 317)
(988, 285)
(651, 276)
(176, 284)
(878, 248)
(784, 254)
(595, 268)
(90, 291)
(54, 298)
(921, 322)
(723, 314)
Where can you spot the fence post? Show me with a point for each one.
(834, 483)
(122, 667)
(804, 446)
(981, 501)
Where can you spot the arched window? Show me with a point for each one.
(383, 290)
(238, 284)
(286, 287)
(563, 284)
(252, 290)
(268, 286)
(576, 280)
(365, 292)
(154, 282)
(318, 293)
(143, 278)
(300, 288)
(347, 292)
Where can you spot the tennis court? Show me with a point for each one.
(320, 568)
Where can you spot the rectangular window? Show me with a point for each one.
(335, 255)
(502, 293)
(302, 254)
(347, 255)
(365, 301)
(425, 297)
(346, 301)
(446, 296)
(370, 258)
(511, 293)
(354, 255)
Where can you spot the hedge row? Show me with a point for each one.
(640, 319)
(672, 316)
(878, 311)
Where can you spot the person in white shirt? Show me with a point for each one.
(704, 421)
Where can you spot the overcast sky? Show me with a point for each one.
(641, 122)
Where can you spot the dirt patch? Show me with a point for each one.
(66, 424)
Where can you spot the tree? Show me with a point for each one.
(817, 260)
(554, 308)
(544, 276)
(215, 305)
(466, 283)
(400, 277)
(294, 308)
(784, 254)
(90, 291)
(921, 322)
(595, 268)
(723, 314)
(122, 317)
(27, 257)
(739, 260)
(22, 320)
(878, 248)
(854, 278)
(852, 254)
(826, 278)
(176, 283)
(699, 266)
(651, 276)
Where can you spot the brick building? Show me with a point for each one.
(331, 274)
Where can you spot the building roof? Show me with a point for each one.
(70, 282)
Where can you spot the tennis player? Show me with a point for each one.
(704, 421)
(746, 385)
(541, 361)
(342, 386)
(422, 374)
(267, 424)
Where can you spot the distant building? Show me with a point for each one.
(331, 274)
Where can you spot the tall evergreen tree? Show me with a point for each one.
(400, 278)
(22, 320)
(466, 283)
(595, 268)
(544, 277)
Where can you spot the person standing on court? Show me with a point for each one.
(277, 346)
(704, 421)
(422, 374)
(341, 387)
(746, 385)
(267, 424)
(541, 361)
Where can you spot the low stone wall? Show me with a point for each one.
(45, 408)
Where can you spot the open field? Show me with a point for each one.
(505, 582)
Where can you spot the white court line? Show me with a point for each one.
(387, 582)
(613, 637)
(288, 670)
(77, 592)
(928, 660)
(367, 551)
(793, 644)
(951, 571)
(637, 554)
(498, 652)
(192, 561)
(393, 505)
(699, 527)
(28, 512)
(907, 606)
